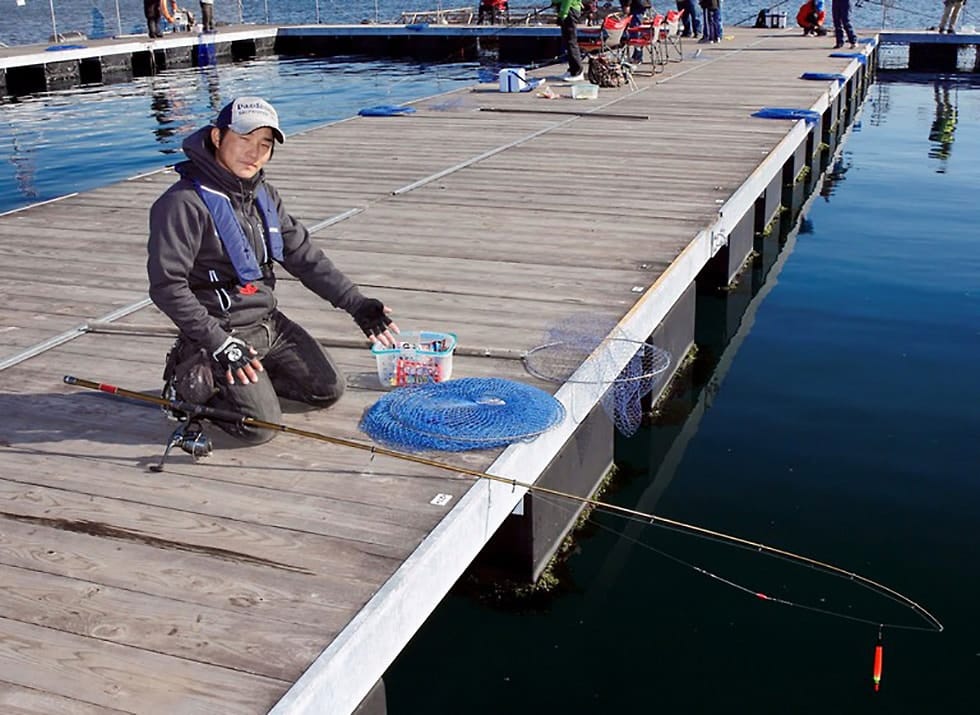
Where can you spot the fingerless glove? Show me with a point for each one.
(370, 317)
(233, 354)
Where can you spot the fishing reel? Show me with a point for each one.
(190, 437)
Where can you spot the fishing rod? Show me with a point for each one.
(600, 115)
(761, 13)
(197, 445)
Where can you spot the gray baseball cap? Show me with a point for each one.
(246, 114)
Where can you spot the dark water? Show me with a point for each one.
(845, 428)
(32, 23)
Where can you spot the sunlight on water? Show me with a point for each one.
(59, 142)
(99, 18)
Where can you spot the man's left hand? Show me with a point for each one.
(371, 316)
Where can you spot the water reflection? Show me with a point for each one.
(22, 157)
(175, 115)
(943, 125)
(835, 175)
(212, 84)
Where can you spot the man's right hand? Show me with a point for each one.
(238, 359)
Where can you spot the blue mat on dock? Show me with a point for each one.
(859, 56)
(827, 76)
(809, 115)
(386, 110)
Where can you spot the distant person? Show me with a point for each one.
(636, 9)
(691, 19)
(494, 10)
(712, 21)
(215, 237)
(951, 13)
(151, 8)
(841, 12)
(569, 14)
(590, 11)
(207, 15)
(811, 18)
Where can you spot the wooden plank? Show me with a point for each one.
(259, 646)
(125, 678)
(18, 700)
(323, 601)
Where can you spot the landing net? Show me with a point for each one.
(587, 351)
(459, 415)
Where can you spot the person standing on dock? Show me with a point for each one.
(691, 19)
(841, 12)
(569, 14)
(712, 21)
(207, 15)
(151, 9)
(214, 238)
(951, 13)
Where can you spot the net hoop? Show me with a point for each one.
(557, 361)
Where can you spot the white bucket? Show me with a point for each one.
(512, 79)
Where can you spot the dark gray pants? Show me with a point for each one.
(207, 16)
(296, 368)
(569, 37)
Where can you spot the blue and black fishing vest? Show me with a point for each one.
(237, 246)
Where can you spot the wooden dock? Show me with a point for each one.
(287, 577)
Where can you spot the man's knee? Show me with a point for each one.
(247, 434)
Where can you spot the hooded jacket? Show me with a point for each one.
(186, 256)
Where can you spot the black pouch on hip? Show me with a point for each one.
(193, 377)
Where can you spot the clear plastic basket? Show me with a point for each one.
(420, 356)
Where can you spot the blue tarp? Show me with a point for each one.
(809, 115)
(859, 56)
(826, 76)
(386, 110)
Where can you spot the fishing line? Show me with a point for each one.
(196, 412)
(736, 542)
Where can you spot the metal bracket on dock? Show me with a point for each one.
(719, 239)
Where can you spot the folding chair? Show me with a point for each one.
(606, 38)
(646, 39)
(670, 37)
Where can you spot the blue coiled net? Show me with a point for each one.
(459, 415)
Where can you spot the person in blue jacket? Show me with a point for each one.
(217, 237)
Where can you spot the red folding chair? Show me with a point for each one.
(670, 37)
(646, 39)
(607, 37)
